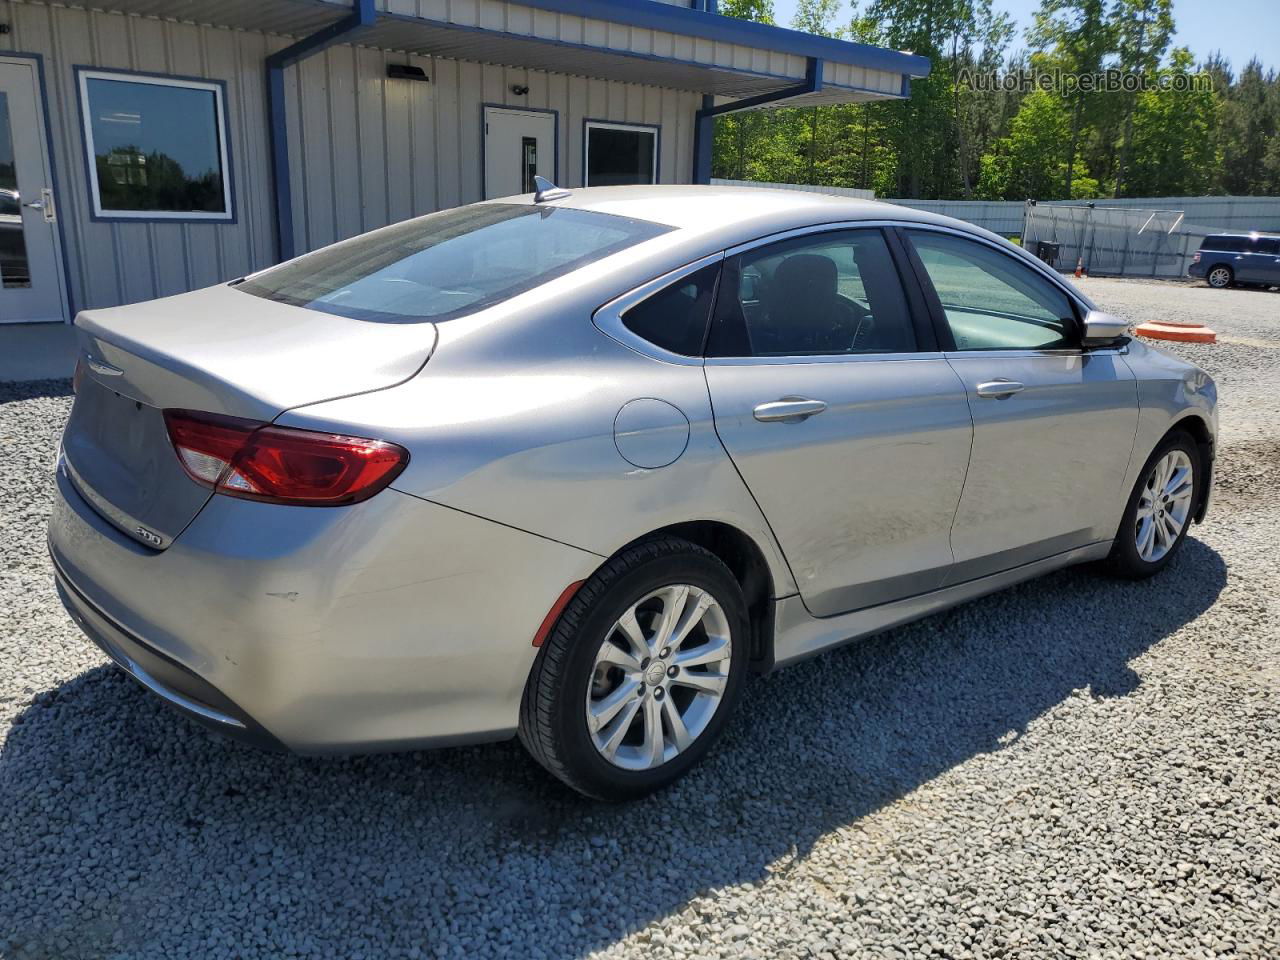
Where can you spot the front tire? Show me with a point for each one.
(1220, 277)
(638, 678)
(1160, 509)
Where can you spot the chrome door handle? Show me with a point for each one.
(788, 410)
(35, 204)
(1000, 388)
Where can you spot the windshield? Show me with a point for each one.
(448, 264)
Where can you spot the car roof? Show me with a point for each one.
(699, 208)
(708, 218)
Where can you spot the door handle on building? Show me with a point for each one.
(44, 205)
(788, 410)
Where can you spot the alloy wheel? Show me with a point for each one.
(1164, 505)
(659, 677)
(1219, 277)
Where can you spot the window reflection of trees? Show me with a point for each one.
(129, 179)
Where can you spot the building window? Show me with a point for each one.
(157, 147)
(619, 154)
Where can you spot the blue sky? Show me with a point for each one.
(1239, 28)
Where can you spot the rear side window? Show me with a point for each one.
(675, 318)
(449, 264)
(1225, 244)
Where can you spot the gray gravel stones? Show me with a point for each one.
(1074, 768)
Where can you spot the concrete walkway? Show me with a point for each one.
(37, 351)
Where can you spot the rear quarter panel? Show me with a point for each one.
(514, 420)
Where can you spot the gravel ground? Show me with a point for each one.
(1076, 767)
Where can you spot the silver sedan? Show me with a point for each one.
(569, 466)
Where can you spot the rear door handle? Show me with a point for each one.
(1000, 388)
(788, 410)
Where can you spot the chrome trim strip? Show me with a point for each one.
(103, 368)
(177, 699)
(822, 358)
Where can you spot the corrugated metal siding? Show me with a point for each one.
(514, 18)
(366, 151)
(114, 262)
(417, 145)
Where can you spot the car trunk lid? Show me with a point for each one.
(217, 351)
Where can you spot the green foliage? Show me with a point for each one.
(951, 139)
(761, 11)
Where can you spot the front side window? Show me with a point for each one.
(992, 302)
(620, 154)
(826, 294)
(448, 264)
(157, 147)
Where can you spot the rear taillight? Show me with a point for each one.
(1196, 258)
(257, 461)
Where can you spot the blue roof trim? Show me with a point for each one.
(712, 26)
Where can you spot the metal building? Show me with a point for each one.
(149, 147)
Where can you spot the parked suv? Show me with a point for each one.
(1224, 259)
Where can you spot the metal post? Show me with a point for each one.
(362, 16)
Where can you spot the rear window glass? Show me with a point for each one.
(449, 264)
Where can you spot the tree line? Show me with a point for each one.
(960, 137)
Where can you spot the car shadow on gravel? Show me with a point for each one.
(126, 830)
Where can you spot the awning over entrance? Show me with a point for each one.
(636, 41)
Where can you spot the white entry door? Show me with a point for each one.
(518, 145)
(30, 279)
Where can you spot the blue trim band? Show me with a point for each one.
(364, 15)
(712, 26)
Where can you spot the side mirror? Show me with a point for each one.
(1103, 329)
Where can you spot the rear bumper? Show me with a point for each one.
(169, 680)
(1197, 270)
(391, 624)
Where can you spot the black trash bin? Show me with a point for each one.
(1047, 251)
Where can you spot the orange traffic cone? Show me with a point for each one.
(1080, 268)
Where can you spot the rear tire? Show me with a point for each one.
(1160, 509)
(641, 672)
(1220, 277)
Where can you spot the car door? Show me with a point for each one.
(1269, 254)
(844, 420)
(1053, 425)
(1252, 265)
